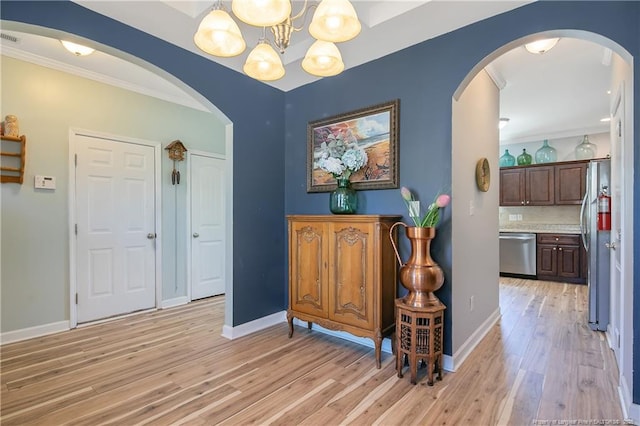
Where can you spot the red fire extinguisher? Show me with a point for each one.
(604, 210)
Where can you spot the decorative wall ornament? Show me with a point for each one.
(176, 153)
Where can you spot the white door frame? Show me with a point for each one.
(228, 231)
(74, 133)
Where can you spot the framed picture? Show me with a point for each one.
(375, 129)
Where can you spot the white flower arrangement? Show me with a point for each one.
(341, 158)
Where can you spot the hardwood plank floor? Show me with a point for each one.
(541, 362)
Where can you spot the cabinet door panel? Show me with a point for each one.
(308, 272)
(568, 261)
(546, 261)
(570, 183)
(350, 292)
(540, 186)
(512, 187)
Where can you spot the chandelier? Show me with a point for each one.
(333, 21)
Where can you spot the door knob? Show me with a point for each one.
(151, 236)
(611, 246)
(196, 235)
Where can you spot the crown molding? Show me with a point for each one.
(187, 101)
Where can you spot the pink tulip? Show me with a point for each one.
(443, 200)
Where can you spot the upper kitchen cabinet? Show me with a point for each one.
(527, 186)
(570, 183)
(543, 184)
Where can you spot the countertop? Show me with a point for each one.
(541, 228)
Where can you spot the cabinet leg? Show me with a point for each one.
(290, 321)
(378, 343)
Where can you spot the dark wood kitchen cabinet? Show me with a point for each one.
(527, 186)
(560, 258)
(570, 183)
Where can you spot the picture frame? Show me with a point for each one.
(376, 129)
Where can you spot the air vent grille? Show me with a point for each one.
(9, 37)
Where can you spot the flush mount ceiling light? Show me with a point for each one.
(77, 49)
(502, 123)
(333, 21)
(541, 46)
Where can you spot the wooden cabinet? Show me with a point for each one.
(570, 183)
(527, 186)
(560, 258)
(342, 274)
(12, 153)
(543, 184)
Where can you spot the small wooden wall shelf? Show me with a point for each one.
(12, 169)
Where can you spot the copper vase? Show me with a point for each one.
(420, 275)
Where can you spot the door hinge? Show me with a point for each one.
(76, 298)
(75, 160)
(76, 229)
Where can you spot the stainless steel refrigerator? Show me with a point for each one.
(595, 242)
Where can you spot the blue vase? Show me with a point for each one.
(524, 159)
(507, 160)
(546, 154)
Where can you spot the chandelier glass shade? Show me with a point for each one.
(219, 35)
(261, 13)
(323, 59)
(333, 21)
(263, 63)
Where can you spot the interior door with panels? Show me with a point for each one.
(115, 214)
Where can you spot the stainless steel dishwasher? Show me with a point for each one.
(517, 253)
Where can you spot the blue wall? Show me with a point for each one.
(272, 125)
(424, 77)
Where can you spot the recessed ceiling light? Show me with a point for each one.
(77, 49)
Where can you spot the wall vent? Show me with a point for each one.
(9, 37)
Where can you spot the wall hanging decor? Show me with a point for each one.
(373, 129)
(176, 153)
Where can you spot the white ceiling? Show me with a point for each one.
(558, 94)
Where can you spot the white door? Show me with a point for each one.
(115, 215)
(617, 204)
(207, 186)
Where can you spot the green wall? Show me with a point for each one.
(34, 287)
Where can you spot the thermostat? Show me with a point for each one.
(45, 182)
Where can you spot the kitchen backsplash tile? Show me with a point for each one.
(539, 215)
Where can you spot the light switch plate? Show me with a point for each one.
(44, 182)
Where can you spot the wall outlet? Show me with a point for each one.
(472, 208)
(471, 301)
(519, 218)
(513, 217)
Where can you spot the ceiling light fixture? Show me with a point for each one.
(541, 46)
(77, 49)
(333, 21)
(502, 123)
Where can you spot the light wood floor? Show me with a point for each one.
(540, 362)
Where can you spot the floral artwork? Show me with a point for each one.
(361, 145)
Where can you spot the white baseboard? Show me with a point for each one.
(241, 330)
(177, 301)
(630, 410)
(31, 332)
(386, 342)
(469, 345)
